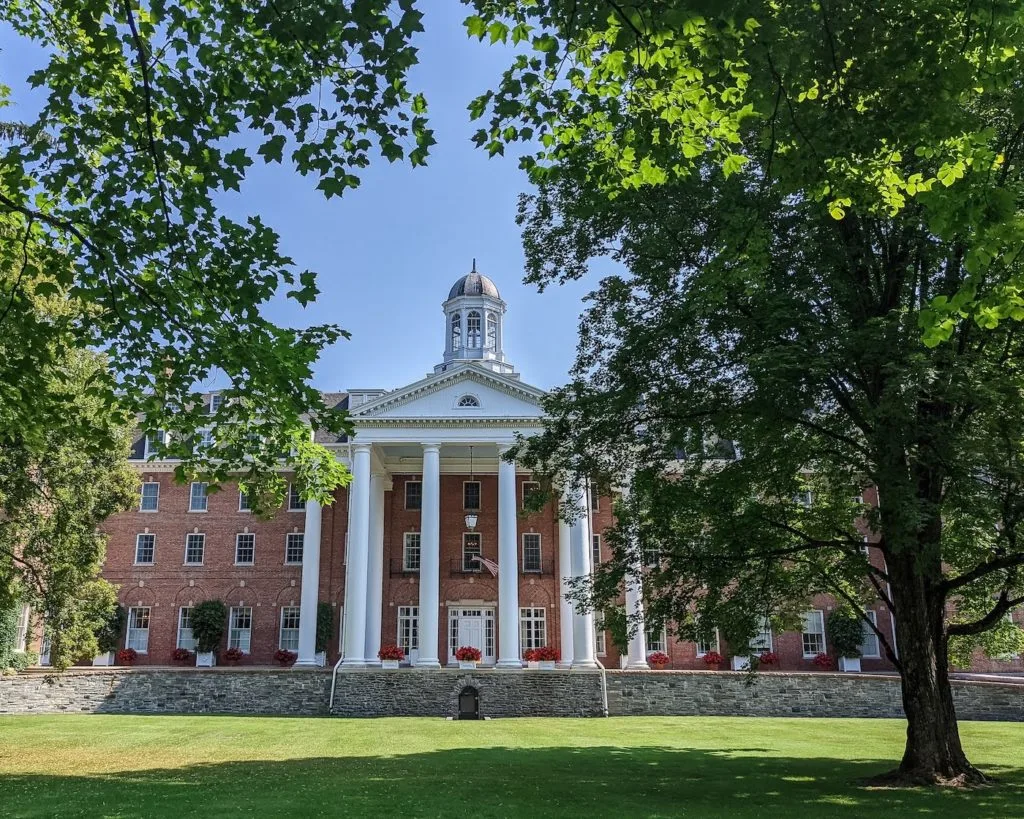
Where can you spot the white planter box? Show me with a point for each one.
(205, 659)
(320, 658)
(740, 663)
(389, 665)
(532, 664)
(849, 663)
(468, 665)
(104, 659)
(623, 660)
(547, 665)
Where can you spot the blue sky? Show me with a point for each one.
(388, 252)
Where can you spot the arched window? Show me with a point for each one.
(469, 401)
(473, 329)
(456, 331)
(492, 331)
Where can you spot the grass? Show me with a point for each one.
(126, 766)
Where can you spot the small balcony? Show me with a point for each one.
(399, 569)
(460, 566)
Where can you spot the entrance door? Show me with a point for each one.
(471, 627)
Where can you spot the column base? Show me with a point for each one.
(426, 664)
(372, 664)
(583, 664)
(639, 665)
(563, 664)
(516, 665)
(354, 662)
(307, 663)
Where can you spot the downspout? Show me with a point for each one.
(604, 688)
(334, 682)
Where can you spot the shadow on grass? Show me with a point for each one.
(488, 782)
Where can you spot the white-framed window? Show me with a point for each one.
(471, 495)
(595, 498)
(869, 646)
(656, 640)
(858, 500)
(204, 440)
(243, 502)
(804, 498)
(531, 552)
(198, 500)
(216, 402)
(195, 546)
(595, 550)
(145, 548)
(185, 639)
(408, 637)
(492, 331)
(293, 543)
(21, 634)
(529, 487)
(468, 401)
(863, 548)
(705, 645)
(414, 494)
(762, 640)
(295, 501)
(472, 547)
(472, 329)
(411, 552)
(651, 556)
(245, 549)
(533, 628)
(600, 641)
(456, 331)
(289, 637)
(240, 628)
(154, 440)
(813, 633)
(137, 636)
(149, 499)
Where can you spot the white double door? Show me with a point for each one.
(471, 626)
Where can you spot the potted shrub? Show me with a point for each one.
(108, 636)
(845, 633)
(284, 657)
(530, 656)
(767, 659)
(127, 656)
(712, 659)
(390, 656)
(468, 657)
(657, 660)
(547, 656)
(324, 630)
(208, 621)
(181, 655)
(233, 656)
(823, 661)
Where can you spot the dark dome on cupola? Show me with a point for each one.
(474, 284)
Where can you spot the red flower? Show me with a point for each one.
(127, 656)
(233, 655)
(181, 655)
(466, 653)
(390, 652)
(768, 658)
(823, 661)
(712, 658)
(658, 658)
(285, 657)
(546, 653)
(530, 655)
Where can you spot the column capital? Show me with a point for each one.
(366, 446)
(503, 448)
(431, 446)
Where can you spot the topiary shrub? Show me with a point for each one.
(108, 636)
(209, 619)
(8, 634)
(845, 633)
(324, 625)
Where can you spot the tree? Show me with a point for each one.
(154, 112)
(818, 208)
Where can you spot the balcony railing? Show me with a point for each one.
(546, 568)
(398, 568)
(460, 566)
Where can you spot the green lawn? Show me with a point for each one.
(231, 766)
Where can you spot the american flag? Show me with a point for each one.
(492, 567)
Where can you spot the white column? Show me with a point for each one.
(310, 592)
(356, 563)
(565, 609)
(375, 568)
(430, 555)
(583, 635)
(637, 629)
(509, 655)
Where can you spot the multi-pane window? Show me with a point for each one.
(195, 545)
(814, 633)
(197, 498)
(492, 331)
(150, 499)
(656, 640)
(595, 498)
(651, 556)
(595, 550)
(531, 552)
(533, 628)
(289, 638)
(137, 636)
(153, 441)
(185, 639)
(456, 331)
(473, 329)
(245, 548)
(529, 489)
(240, 628)
(600, 646)
(804, 498)
(216, 401)
(869, 645)
(295, 501)
(471, 494)
(21, 633)
(705, 645)
(471, 549)
(293, 543)
(762, 641)
(408, 628)
(145, 548)
(411, 552)
(864, 545)
(413, 494)
(243, 502)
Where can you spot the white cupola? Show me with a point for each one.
(472, 318)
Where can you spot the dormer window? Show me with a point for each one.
(456, 331)
(216, 401)
(468, 401)
(473, 329)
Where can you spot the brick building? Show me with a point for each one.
(405, 554)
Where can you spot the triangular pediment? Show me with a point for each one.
(441, 396)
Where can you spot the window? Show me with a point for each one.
(413, 494)
(869, 646)
(150, 500)
(531, 552)
(813, 633)
(197, 499)
(595, 550)
(469, 401)
(195, 545)
(245, 548)
(243, 502)
(863, 548)
(804, 498)
(533, 629)
(145, 548)
(137, 636)
(295, 501)
(456, 331)
(204, 440)
(473, 329)
(492, 331)
(656, 640)
(705, 645)
(411, 552)
(153, 441)
(240, 628)
(651, 556)
(600, 646)
(289, 637)
(185, 638)
(216, 402)
(471, 495)
(21, 633)
(293, 543)
(858, 500)
(762, 641)
(595, 498)
(529, 488)
(471, 548)
(408, 629)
